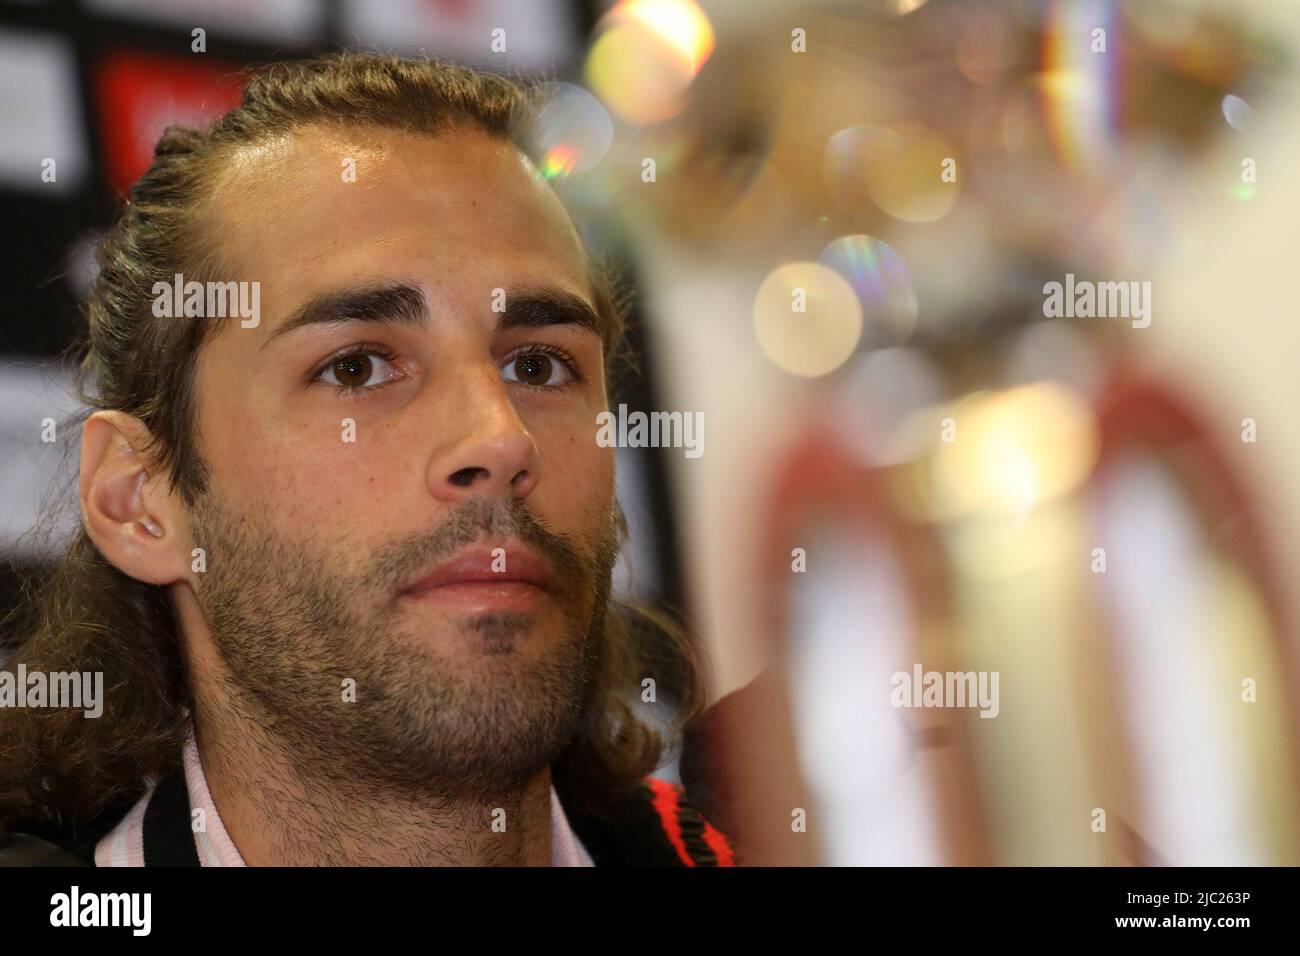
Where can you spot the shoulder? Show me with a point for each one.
(657, 825)
(23, 849)
(60, 841)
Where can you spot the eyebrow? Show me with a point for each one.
(401, 303)
(537, 308)
(404, 303)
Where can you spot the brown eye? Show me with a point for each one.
(533, 369)
(538, 369)
(359, 371)
(353, 370)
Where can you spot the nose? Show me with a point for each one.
(488, 451)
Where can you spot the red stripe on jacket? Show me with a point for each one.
(668, 805)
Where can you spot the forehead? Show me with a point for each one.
(462, 211)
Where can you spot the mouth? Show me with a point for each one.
(485, 578)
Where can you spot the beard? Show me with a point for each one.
(466, 708)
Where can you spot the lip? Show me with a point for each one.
(470, 582)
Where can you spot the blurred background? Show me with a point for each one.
(840, 219)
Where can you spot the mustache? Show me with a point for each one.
(477, 519)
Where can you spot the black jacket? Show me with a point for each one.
(656, 826)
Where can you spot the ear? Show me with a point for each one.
(130, 515)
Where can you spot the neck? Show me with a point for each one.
(284, 807)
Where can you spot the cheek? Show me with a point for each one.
(576, 471)
(286, 459)
(294, 474)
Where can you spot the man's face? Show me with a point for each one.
(405, 487)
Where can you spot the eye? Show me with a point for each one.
(539, 367)
(363, 369)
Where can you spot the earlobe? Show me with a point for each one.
(126, 520)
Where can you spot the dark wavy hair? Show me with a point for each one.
(58, 768)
